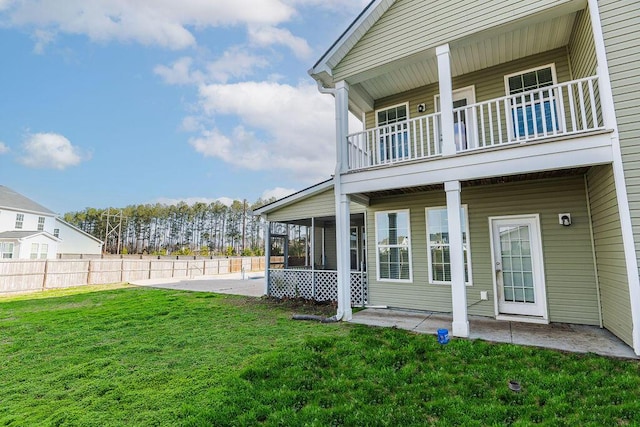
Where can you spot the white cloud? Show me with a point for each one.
(164, 23)
(49, 151)
(227, 201)
(268, 35)
(282, 127)
(234, 63)
(3, 148)
(278, 193)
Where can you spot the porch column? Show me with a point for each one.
(342, 202)
(267, 254)
(611, 122)
(446, 100)
(460, 326)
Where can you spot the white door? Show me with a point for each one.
(519, 272)
(463, 119)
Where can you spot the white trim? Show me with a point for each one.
(538, 264)
(471, 131)
(406, 105)
(465, 209)
(295, 197)
(378, 278)
(554, 78)
(610, 121)
(522, 319)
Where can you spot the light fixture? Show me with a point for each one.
(564, 219)
(422, 108)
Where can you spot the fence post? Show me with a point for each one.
(122, 270)
(44, 277)
(89, 272)
(150, 266)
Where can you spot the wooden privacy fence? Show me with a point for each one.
(32, 275)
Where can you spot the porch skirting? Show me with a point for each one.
(317, 285)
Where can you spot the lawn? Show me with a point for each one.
(147, 357)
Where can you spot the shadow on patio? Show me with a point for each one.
(559, 336)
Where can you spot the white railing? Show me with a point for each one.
(318, 285)
(414, 139)
(554, 111)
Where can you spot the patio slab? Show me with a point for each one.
(559, 336)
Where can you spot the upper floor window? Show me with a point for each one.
(394, 137)
(6, 250)
(439, 247)
(56, 232)
(393, 246)
(19, 221)
(40, 223)
(533, 109)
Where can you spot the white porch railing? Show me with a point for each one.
(318, 285)
(564, 109)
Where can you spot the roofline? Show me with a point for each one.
(79, 230)
(13, 208)
(348, 33)
(295, 197)
(35, 233)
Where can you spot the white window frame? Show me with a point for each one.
(554, 77)
(392, 157)
(6, 250)
(467, 245)
(408, 245)
(19, 221)
(56, 232)
(35, 249)
(356, 249)
(44, 250)
(41, 221)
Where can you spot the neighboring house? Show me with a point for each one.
(499, 170)
(75, 242)
(28, 230)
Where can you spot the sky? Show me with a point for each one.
(109, 103)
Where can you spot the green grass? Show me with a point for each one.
(138, 356)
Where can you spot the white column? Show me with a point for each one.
(460, 326)
(446, 100)
(267, 254)
(342, 201)
(611, 122)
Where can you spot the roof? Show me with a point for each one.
(21, 235)
(10, 199)
(354, 32)
(295, 197)
(74, 228)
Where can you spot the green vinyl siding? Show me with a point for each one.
(612, 274)
(409, 27)
(316, 206)
(488, 84)
(568, 257)
(620, 22)
(581, 47)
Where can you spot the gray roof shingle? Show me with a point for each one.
(9, 199)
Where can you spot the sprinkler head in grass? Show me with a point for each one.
(514, 386)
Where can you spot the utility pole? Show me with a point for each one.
(116, 228)
(244, 223)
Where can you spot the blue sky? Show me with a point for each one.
(117, 102)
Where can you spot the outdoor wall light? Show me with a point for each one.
(422, 108)
(564, 219)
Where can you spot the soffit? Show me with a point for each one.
(469, 55)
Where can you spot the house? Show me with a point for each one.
(498, 172)
(28, 230)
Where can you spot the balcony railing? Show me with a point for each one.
(554, 111)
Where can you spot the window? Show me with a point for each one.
(438, 245)
(394, 138)
(353, 248)
(44, 251)
(6, 250)
(56, 232)
(19, 221)
(40, 223)
(534, 111)
(393, 246)
(34, 251)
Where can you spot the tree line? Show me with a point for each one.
(181, 229)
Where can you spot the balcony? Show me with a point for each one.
(547, 114)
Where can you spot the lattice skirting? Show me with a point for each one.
(318, 285)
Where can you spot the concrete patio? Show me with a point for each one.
(559, 336)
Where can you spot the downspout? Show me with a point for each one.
(336, 184)
(593, 251)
